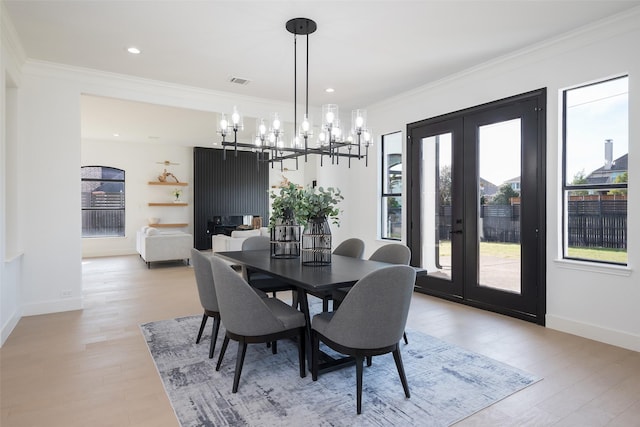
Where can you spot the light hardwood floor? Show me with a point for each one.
(92, 367)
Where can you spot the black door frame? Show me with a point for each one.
(536, 239)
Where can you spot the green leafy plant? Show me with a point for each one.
(285, 203)
(319, 203)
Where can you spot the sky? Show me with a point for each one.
(596, 113)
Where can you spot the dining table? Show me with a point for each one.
(343, 271)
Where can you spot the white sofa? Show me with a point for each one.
(224, 243)
(155, 245)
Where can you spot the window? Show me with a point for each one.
(596, 127)
(391, 201)
(102, 201)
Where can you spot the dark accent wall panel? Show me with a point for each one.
(231, 187)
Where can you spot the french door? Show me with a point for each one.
(476, 205)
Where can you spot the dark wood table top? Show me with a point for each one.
(343, 270)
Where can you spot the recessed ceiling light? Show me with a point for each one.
(116, 134)
(329, 90)
(134, 50)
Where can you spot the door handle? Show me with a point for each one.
(455, 232)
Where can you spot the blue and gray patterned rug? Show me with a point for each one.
(447, 383)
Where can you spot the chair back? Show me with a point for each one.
(241, 309)
(393, 253)
(353, 248)
(256, 243)
(204, 280)
(374, 312)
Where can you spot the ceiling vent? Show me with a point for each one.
(239, 80)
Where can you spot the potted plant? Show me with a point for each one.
(176, 193)
(316, 208)
(285, 204)
(319, 204)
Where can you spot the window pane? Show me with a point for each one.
(392, 215)
(597, 128)
(596, 155)
(391, 198)
(392, 163)
(597, 226)
(103, 209)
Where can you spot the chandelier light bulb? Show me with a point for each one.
(330, 117)
(224, 124)
(235, 116)
(258, 141)
(359, 121)
(305, 124)
(276, 123)
(262, 129)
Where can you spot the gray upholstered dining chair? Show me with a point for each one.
(258, 280)
(352, 247)
(393, 253)
(369, 322)
(251, 319)
(207, 294)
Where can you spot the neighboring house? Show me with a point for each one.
(487, 189)
(514, 183)
(609, 172)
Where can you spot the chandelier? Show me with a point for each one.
(331, 141)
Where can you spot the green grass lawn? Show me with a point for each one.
(512, 250)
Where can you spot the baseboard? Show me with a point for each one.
(594, 332)
(9, 325)
(52, 306)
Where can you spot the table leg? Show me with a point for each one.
(304, 307)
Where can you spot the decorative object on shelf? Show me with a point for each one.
(176, 193)
(333, 139)
(163, 177)
(153, 220)
(285, 230)
(256, 222)
(316, 208)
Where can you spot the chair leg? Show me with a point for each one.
(214, 335)
(404, 335)
(403, 377)
(325, 304)
(242, 350)
(369, 360)
(359, 361)
(315, 349)
(294, 299)
(274, 347)
(225, 343)
(302, 353)
(202, 325)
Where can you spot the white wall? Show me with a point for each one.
(598, 303)
(139, 161)
(11, 253)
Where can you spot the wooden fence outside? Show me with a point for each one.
(593, 221)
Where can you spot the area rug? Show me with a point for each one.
(447, 383)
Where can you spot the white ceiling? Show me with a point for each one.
(366, 50)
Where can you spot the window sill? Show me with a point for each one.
(616, 270)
